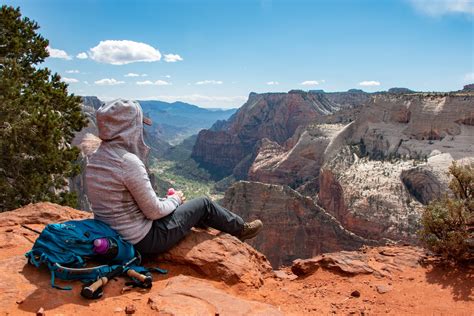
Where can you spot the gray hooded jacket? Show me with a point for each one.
(117, 183)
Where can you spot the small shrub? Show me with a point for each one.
(447, 222)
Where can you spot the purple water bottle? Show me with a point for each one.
(106, 248)
(101, 245)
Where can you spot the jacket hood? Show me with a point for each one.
(120, 124)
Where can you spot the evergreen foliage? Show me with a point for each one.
(38, 119)
(448, 222)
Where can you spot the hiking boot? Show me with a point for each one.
(251, 229)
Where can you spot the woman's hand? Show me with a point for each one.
(181, 196)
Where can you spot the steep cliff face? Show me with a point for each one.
(274, 116)
(296, 163)
(384, 166)
(369, 199)
(415, 125)
(373, 174)
(294, 226)
(219, 151)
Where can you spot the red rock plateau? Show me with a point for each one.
(216, 274)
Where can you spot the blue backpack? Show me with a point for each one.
(65, 247)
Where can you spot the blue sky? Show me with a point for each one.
(214, 53)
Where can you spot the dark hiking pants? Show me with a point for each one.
(167, 231)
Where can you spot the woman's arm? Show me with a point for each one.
(138, 183)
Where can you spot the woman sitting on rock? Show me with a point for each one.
(121, 195)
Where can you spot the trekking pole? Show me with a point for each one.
(145, 279)
(94, 290)
(32, 229)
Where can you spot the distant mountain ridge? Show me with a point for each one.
(176, 121)
(172, 122)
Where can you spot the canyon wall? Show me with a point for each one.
(272, 116)
(372, 172)
(294, 226)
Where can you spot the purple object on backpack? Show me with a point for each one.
(101, 245)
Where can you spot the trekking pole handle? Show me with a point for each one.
(95, 286)
(141, 277)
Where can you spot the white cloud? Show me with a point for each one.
(205, 82)
(469, 77)
(58, 53)
(86, 82)
(108, 82)
(156, 83)
(132, 74)
(172, 58)
(167, 76)
(123, 52)
(273, 83)
(442, 7)
(73, 71)
(369, 83)
(69, 80)
(82, 55)
(310, 83)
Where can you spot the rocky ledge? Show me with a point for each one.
(216, 274)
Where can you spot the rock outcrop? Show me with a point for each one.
(423, 184)
(369, 199)
(381, 261)
(294, 226)
(323, 286)
(396, 123)
(274, 116)
(215, 257)
(299, 164)
(382, 167)
(468, 88)
(190, 296)
(221, 257)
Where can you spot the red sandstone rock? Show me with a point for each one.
(381, 261)
(189, 296)
(41, 213)
(222, 257)
(417, 289)
(130, 309)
